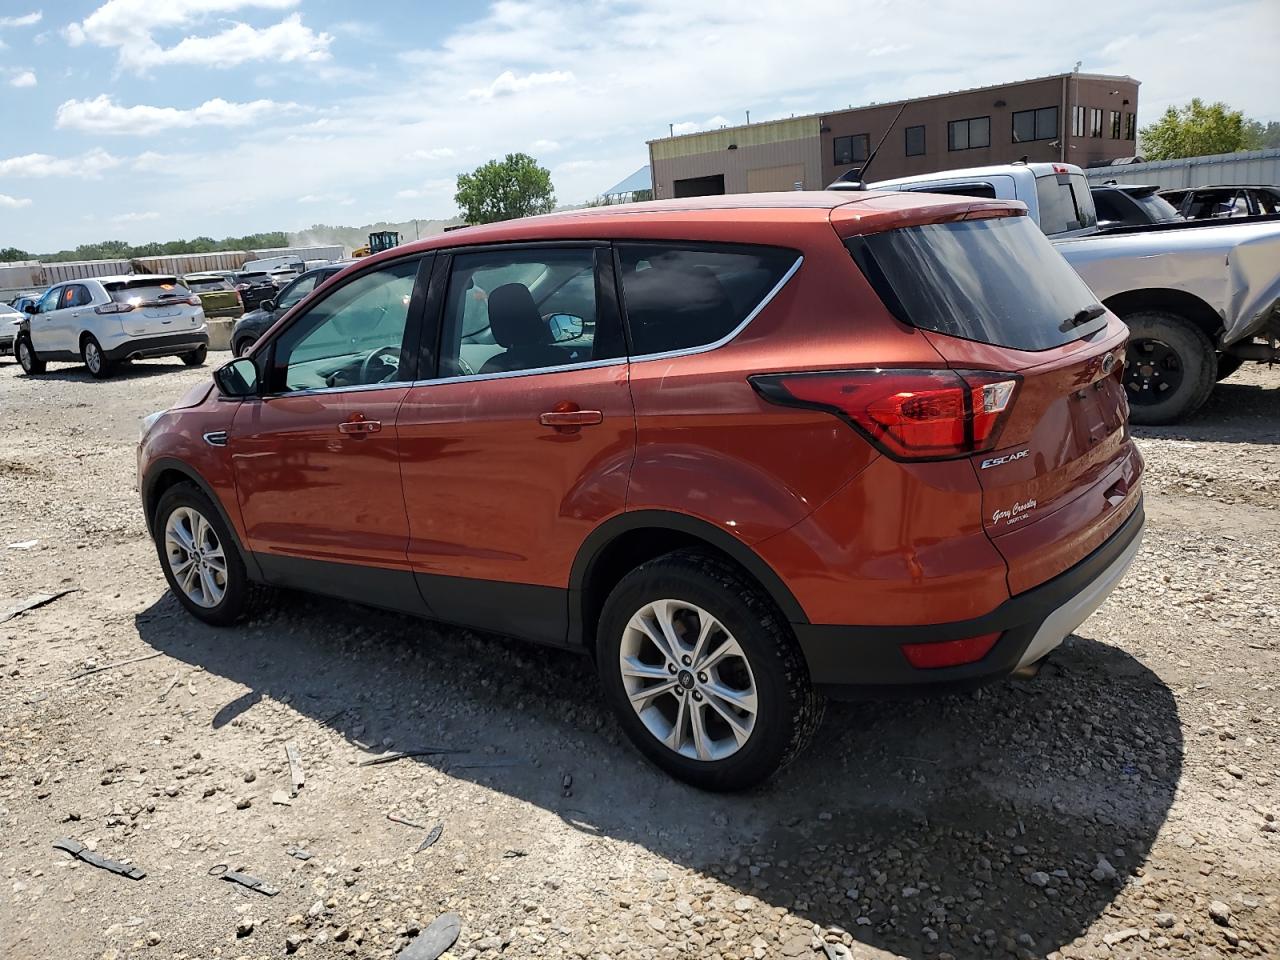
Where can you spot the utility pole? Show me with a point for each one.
(748, 117)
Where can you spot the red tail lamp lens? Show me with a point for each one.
(909, 414)
(949, 653)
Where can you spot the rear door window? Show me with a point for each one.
(681, 297)
(1065, 203)
(996, 281)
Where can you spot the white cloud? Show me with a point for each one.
(691, 126)
(437, 189)
(25, 20)
(434, 153)
(23, 78)
(131, 26)
(13, 202)
(329, 198)
(507, 83)
(104, 115)
(89, 166)
(546, 146)
(135, 217)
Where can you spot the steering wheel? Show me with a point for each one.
(388, 356)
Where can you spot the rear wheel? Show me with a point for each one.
(1170, 367)
(94, 359)
(31, 363)
(703, 673)
(200, 558)
(240, 347)
(195, 357)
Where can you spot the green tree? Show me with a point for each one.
(505, 190)
(1196, 130)
(10, 254)
(1259, 136)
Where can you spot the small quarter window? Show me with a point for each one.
(680, 297)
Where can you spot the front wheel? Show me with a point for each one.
(27, 357)
(703, 673)
(1170, 367)
(195, 357)
(200, 558)
(95, 360)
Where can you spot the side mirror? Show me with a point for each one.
(239, 378)
(29, 309)
(267, 305)
(564, 327)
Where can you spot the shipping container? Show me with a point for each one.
(1255, 167)
(21, 275)
(182, 263)
(328, 252)
(82, 269)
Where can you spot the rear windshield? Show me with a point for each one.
(1158, 208)
(146, 289)
(207, 284)
(1065, 203)
(996, 281)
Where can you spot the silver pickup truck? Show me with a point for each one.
(1200, 298)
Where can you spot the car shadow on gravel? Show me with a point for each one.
(1234, 413)
(122, 371)
(1001, 822)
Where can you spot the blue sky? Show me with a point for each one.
(158, 119)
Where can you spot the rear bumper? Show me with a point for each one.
(169, 345)
(7, 341)
(855, 661)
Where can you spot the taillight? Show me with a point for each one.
(113, 307)
(194, 300)
(908, 414)
(949, 653)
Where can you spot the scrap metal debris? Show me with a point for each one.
(112, 666)
(435, 940)
(431, 837)
(244, 879)
(81, 852)
(294, 756)
(281, 797)
(172, 683)
(513, 854)
(408, 823)
(23, 544)
(495, 762)
(31, 602)
(402, 754)
(298, 853)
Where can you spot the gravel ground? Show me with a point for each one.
(1123, 803)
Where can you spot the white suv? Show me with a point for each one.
(104, 320)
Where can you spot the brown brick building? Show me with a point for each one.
(1076, 117)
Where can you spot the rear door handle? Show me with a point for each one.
(571, 418)
(359, 425)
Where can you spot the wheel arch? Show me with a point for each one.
(1184, 304)
(167, 472)
(623, 542)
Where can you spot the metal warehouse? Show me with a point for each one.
(1075, 117)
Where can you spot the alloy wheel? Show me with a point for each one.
(92, 357)
(1153, 370)
(195, 557)
(24, 355)
(688, 680)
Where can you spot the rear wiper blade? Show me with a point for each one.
(1083, 316)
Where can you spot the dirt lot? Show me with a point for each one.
(1123, 803)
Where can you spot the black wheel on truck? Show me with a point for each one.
(1170, 367)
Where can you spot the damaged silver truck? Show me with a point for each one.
(1200, 297)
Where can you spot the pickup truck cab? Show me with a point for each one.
(1199, 299)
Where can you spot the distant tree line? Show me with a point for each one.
(1201, 129)
(120, 250)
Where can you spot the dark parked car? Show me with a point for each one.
(1225, 202)
(254, 323)
(742, 450)
(253, 286)
(219, 297)
(1127, 205)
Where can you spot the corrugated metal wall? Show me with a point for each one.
(180, 263)
(1254, 166)
(737, 165)
(80, 269)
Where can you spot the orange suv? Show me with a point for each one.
(744, 451)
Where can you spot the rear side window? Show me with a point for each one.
(996, 281)
(680, 297)
(208, 284)
(1065, 203)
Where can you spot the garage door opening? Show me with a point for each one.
(700, 186)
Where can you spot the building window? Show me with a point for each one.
(1095, 122)
(1130, 127)
(1115, 124)
(1077, 122)
(852, 149)
(915, 141)
(969, 134)
(1039, 124)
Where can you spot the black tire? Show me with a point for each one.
(1170, 367)
(95, 361)
(195, 357)
(1227, 365)
(241, 596)
(31, 363)
(240, 347)
(789, 710)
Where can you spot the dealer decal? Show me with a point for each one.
(1014, 514)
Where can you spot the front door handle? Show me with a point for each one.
(359, 425)
(571, 418)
